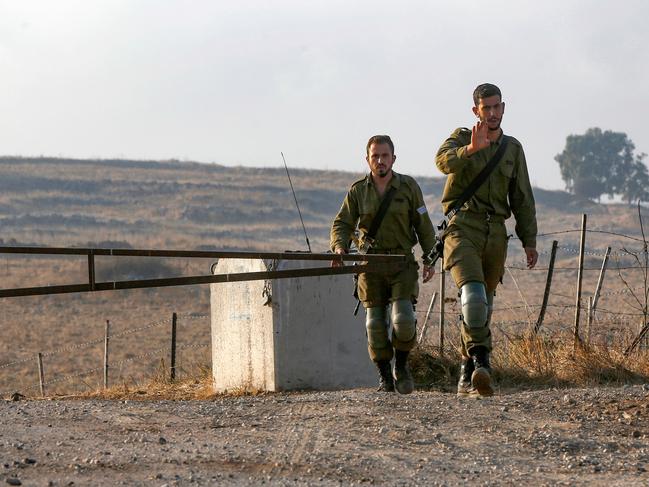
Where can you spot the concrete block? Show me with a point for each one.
(306, 337)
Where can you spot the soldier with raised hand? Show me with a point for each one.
(475, 242)
(405, 223)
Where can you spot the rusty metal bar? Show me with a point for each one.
(202, 254)
(91, 270)
(397, 263)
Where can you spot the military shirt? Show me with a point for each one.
(506, 190)
(405, 222)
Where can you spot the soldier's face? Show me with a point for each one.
(490, 110)
(380, 159)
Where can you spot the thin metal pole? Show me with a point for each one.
(442, 298)
(296, 205)
(430, 308)
(600, 279)
(548, 284)
(580, 274)
(41, 377)
(174, 319)
(106, 338)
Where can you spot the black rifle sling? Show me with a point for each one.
(479, 179)
(438, 250)
(378, 218)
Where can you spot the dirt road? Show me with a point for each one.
(549, 437)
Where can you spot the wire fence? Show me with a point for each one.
(162, 353)
(622, 295)
(618, 284)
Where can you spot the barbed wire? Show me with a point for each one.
(112, 365)
(78, 346)
(578, 230)
(22, 361)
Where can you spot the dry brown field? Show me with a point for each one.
(185, 205)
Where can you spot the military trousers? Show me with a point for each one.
(475, 250)
(381, 289)
(400, 290)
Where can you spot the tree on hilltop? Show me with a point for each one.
(603, 162)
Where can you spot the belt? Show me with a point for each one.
(488, 217)
(390, 251)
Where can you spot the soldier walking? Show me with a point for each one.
(402, 221)
(475, 241)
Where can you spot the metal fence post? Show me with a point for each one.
(442, 299)
(425, 325)
(41, 378)
(106, 338)
(174, 319)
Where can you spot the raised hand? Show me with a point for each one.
(479, 137)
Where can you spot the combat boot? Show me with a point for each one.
(466, 370)
(386, 383)
(481, 376)
(403, 378)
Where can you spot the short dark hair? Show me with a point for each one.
(379, 139)
(485, 90)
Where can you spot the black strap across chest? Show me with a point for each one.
(479, 179)
(380, 214)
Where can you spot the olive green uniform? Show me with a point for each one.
(405, 223)
(475, 245)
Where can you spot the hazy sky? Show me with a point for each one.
(236, 82)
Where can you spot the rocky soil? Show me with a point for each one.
(546, 437)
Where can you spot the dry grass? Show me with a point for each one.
(195, 386)
(532, 361)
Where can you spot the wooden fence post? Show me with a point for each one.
(548, 284)
(430, 308)
(580, 273)
(41, 378)
(174, 319)
(442, 299)
(637, 339)
(106, 338)
(600, 279)
(589, 321)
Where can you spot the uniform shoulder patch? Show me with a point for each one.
(515, 141)
(461, 134)
(362, 180)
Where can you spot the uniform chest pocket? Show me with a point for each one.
(506, 168)
(367, 208)
(399, 205)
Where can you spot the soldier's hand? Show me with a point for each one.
(532, 256)
(428, 272)
(338, 262)
(479, 137)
